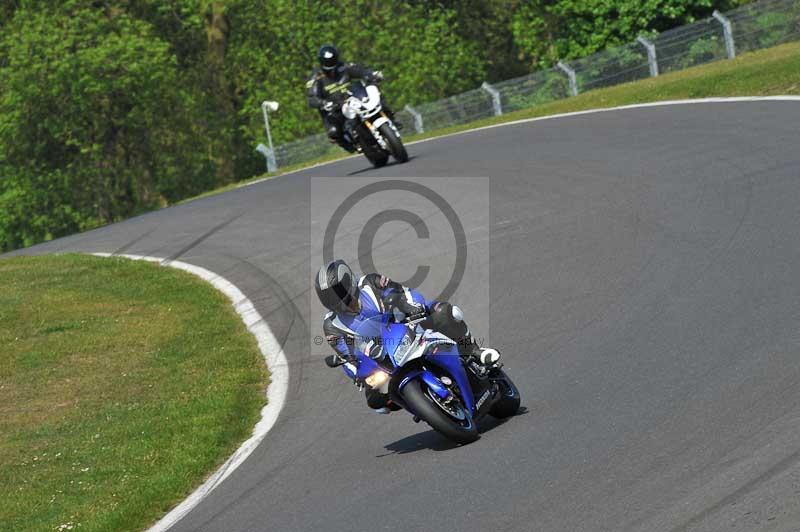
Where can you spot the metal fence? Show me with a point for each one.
(751, 27)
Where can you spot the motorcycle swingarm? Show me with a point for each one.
(486, 406)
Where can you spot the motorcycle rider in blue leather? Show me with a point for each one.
(352, 302)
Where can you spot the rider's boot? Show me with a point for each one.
(352, 146)
(345, 145)
(337, 138)
(449, 320)
(379, 402)
(487, 356)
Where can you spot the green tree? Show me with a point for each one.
(488, 25)
(109, 108)
(94, 123)
(274, 44)
(547, 31)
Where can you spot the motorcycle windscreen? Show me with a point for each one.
(358, 90)
(404, 343)
(378, 337)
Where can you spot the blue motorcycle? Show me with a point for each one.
(422, 372)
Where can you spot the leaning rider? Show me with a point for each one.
(326, 86)
(351, 302)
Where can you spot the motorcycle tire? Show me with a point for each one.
(377, 158)
(394, 143)
(508, 405)
(430, 412)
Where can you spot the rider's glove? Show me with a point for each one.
(411, 309)
(327, 106)
(334, 361)
(377, 75)
(404, 310)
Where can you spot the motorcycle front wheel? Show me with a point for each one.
(394, 143)
(378, 158)
(452, 422)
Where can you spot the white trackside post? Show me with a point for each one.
(573, 82)
(263, 150)
(495, 94)
(266, 106)
(651, 54)
(417, 118)
(727, 31)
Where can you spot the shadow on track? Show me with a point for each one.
(429, 439)
(433, 441)
(369, 168)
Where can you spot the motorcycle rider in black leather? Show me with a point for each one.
(352, 301)
(326, 90)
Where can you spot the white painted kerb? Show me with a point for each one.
(268, 344)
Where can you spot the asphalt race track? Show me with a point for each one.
(645, 287)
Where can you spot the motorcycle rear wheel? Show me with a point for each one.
(433, 414)
(508, 405)
(394, 143)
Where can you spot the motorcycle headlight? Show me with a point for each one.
(377, 379)
(348, 110)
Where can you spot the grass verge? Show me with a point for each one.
(769, 72)
(122, 385)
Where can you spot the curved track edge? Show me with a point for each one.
(277, 390)
(270, 347)
(689, 101)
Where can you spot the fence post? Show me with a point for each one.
(730, 47)
(495, 94)
(573, 83)
(417, 118)
(651, 54)
(269, 155)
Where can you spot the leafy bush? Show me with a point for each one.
(93, 124)
(111, 108)
(567, 29)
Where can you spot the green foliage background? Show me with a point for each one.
(109, 108)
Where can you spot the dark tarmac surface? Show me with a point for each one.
(645, 292)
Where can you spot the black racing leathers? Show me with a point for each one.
(322, 87)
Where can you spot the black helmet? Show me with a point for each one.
(336, 286)
(328, 57)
